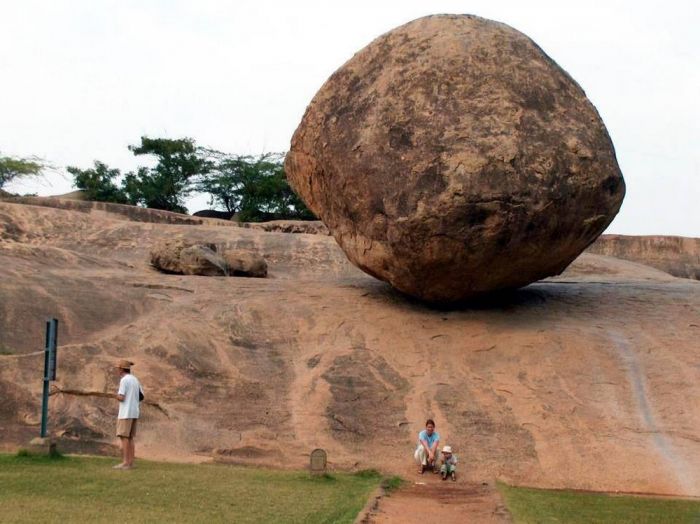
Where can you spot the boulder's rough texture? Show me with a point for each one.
(452, 156)
(187, 258)
(239, 263)
(165, 255)
(202, 260)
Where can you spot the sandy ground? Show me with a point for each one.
(437, 501)
(427, 498)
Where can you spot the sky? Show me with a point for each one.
(82, 79)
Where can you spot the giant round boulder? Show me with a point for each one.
(452, 157)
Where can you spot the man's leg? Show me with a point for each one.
(421, 458)
(123, 444)
(132, 441)
(132, 451)
(124, 441)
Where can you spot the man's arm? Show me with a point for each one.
(122, 391)
(434, 449)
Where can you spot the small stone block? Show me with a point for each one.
(318, 462)
(43, 446)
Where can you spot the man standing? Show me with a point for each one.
(129, 395)
(427, 451)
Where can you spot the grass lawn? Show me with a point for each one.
(82, 489)
(529, 505)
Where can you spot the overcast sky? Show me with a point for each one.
(82, 79)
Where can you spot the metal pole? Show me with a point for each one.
(45, 393)
(49, 370)
(53, 350)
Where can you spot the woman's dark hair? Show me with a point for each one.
(430, 421)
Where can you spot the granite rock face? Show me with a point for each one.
(260, 371)
(677, 256)
(451, 157)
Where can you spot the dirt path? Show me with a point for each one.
(432, 500)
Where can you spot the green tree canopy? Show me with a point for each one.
(253, 186)
(166, 185)
(13, 168)
(98, 183)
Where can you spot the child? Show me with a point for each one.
(449, 464)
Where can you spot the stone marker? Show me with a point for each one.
(43, 446)
(318, 461)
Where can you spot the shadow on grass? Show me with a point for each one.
(26, 454)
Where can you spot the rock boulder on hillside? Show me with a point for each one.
(186, 258)
(239, 263)
(201, 260)
(452, 156)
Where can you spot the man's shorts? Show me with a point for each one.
(126, 427)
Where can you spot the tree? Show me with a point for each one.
(166, 185)
(98, 183)
(13, 168)
(254, 187)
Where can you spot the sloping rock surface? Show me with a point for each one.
(583, 381)
(678, 256)
(123, 211)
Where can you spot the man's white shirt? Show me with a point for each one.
(129, 386)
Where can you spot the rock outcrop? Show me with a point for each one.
(239, 263)
(121, 211)
(452, 156)
(200, 260)
(677, 256)
(185, 258)
(309, 227)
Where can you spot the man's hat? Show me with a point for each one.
(447, 449)
(124, 364)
